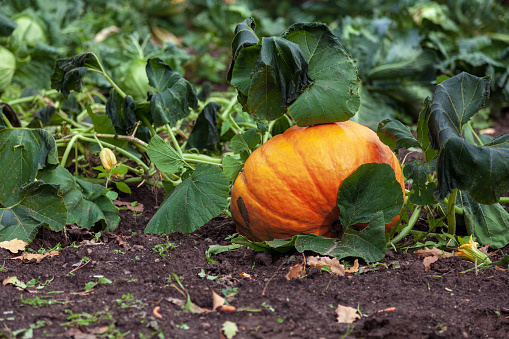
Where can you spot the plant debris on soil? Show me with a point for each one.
(80, 284)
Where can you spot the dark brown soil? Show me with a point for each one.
(397, 297)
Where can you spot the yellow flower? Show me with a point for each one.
(472, 253)
(108, 159)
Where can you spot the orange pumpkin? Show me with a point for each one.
(290, 184)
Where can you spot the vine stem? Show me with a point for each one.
(31, 98)
(407, 228)
(451, 213)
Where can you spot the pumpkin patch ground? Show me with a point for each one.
(127, 284)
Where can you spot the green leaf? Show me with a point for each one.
(42, 117)
(422, 188)
(205, 134)
(488, 224)
(174, 94)
(305, 71)
(122, 187)
(246, 142)
(68, 73)
(6, 25)
(396, 135)
(423, 132)
(244, 36)
(280, 76)
(103, 124)
(232, 165)
(480, 170)
(194, 202)
(38, 204)
(86, 202)
(24, 152)
(165, 157)
(369, 189)
(368, 244)
(280, 125)
(334, 96)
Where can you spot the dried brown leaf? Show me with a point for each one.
(431, 255)
(246, 275)
(36, 257)
(354, 268)
(345, 314)
(14, 245)
(193, 309)
(333, 263)
(138, 208)
(296, 271)
(217, 301)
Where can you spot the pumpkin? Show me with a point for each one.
(290, 184)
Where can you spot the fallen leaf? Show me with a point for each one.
(345, 314)
(156, 313)
(138, 208)
(431, 255)
(333, 263)
(14, 281)
(14, 245)
(36, 257)
(246, 275)
(296, 271)
(193, 309)
(229, 329)
(217, 301)
(354, 268)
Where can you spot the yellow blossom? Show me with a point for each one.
(108, 159)
(470, 252)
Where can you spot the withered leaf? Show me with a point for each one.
(345, 314)
(296, 271)
(333, 263)
(14, 245)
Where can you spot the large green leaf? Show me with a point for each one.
(334, 96)
(68, 73)
(24, 152)
(194, 202)
(205, 133)
(488, 224)
(163, 156)
(279, 77)
(483, 171)
(38, 204)
(174, 94)
(369, 189)
(244, 36)
(368, 244)
(422, 188)
(396, 135)
(6, 25)
(305, 71)
(86, 202)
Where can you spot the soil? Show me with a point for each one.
(146, 274)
